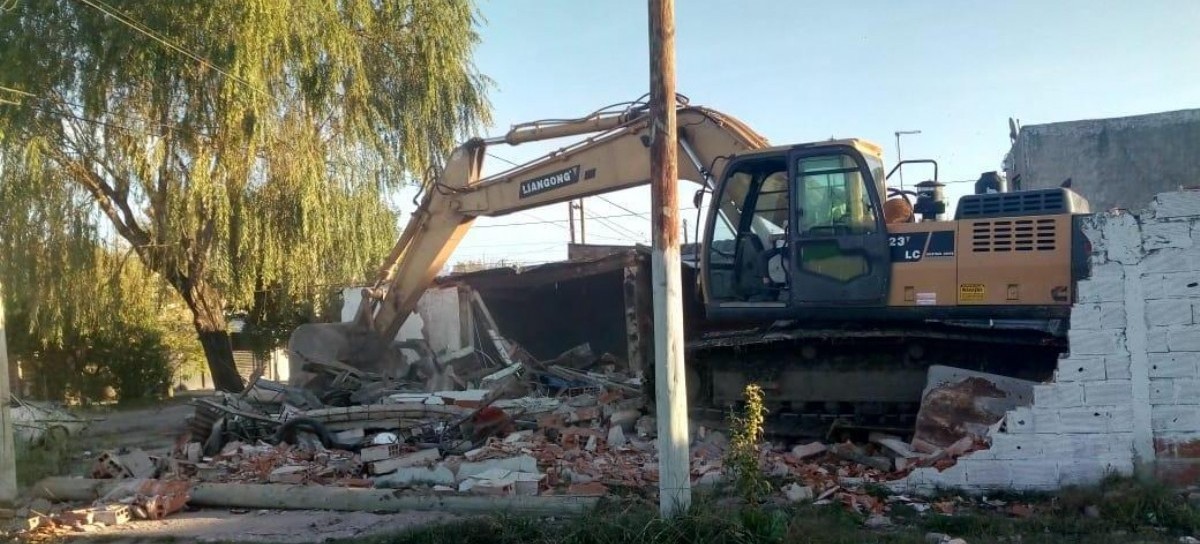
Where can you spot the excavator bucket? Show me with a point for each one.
(337, 344)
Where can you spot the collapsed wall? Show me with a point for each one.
(1127, 396)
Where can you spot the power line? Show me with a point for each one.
(610, 225)
(622, 208)
(152, 34)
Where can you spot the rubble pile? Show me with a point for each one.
(571, 427)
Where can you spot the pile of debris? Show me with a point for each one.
(574, 427)
(133, 499)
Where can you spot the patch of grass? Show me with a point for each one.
(35, 462)
(1130, 511)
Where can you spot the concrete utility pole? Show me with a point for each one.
(670, 387)
(8, 450)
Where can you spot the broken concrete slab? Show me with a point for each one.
(797, 493)
(616, 437)
(292, 474)
(520, 463)
(896, 446)
(958, 403)
(402, 477)
(812, 449)
(423, 457)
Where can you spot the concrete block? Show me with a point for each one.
(1186, 390)
(1075, 445)
(1176, 204)
(1032, 473)
(1091, 471)
(439, 475)
(986, 474)
(1058, 395)
(1162, 391)
(1046, 421)
(1112, 316)
(521, 463)
(1154, 286)
(1108, 393)
(1084, 420)
(953, 477)
(1080, 368)
(1182, 284)
(1116, 367)
(1175, 418)
(1173, 365)
(1120, 419)
(1161, 313)
(1108, 270)
(1014, 446)
(1123, 239)
(1172, 260)
(1164, 234)
(1156, 340)
(1185, 338)
(1020, 421)
(1110, 288)
(1098, 342)
(1085, 316)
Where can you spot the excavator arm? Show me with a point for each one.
(616, 157)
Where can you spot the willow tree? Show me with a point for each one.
(238, 145)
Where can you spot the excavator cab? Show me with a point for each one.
(797, 228)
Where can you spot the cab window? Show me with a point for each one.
(835, 197)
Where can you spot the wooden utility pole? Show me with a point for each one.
(571, 219)
(670, 387)
(8, 450)
(582, 224)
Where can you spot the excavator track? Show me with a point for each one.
(816, 380)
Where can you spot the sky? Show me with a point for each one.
(799, 71)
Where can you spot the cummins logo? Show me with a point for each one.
(550, 182)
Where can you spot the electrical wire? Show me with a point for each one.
(152, 34)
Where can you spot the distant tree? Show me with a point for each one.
(235, 145)
(475, 265)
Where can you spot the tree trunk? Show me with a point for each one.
(209, 320)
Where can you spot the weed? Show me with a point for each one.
(743, 460)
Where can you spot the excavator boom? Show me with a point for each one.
(616, 156)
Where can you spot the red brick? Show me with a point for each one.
(1177, 472)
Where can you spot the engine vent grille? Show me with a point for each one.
(1020, 204)
(1003, 235)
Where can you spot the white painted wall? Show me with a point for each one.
(1127, 397)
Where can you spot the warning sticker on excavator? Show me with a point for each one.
(972, 292)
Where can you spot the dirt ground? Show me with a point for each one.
(291, 527)
(155, 429)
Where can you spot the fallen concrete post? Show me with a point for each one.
(299, 497)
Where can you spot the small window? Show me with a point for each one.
(835, 197)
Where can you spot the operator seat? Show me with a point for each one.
(750, 269)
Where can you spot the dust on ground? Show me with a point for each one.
(155, 429)
(290, 527)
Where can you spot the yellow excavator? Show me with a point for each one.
(817, 281)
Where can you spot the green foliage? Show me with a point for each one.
(743, 458)
(136, 359)
(259, 158)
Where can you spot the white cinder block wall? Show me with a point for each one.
(1127, 397)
